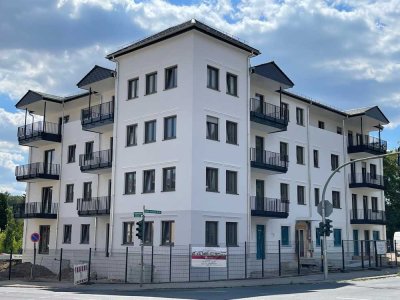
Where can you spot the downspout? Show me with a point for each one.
(346, 183)
(309, 231)
(248, 215)
(26, 221)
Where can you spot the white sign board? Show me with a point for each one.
(209, 257)
(81, 273)
(380, 247)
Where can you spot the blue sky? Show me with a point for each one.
(345, 53)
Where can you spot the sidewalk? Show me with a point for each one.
(110, 287)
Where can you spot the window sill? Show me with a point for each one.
(127, 244)
(171, 88)
(70, 162)
(127, 146)
(166, 191)
(301, 125)
(211, 191)
(127, 194)
(304, 204)
(214, 89)
(151, 192)
(152, 93)
(67, 202)
(235, 194)
(337, 207)
(132, 98)
(301, 164)
(168, 139)
(64, 243)
(234, 144)
(150, 142)
(167, 244)
(232, 246)
(217, 140)
(83, 243)
(233, 95)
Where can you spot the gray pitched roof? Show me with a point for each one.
(33, 96)
(179, 29)
(97, 73)
(272, 71)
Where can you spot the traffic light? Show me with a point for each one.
(321, 228)
(139, 230)
(328, 227)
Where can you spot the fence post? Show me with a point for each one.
(262, 264)
(245, 260)
(343, 264)
(227, 263)
(152, 263)
(376, 255)
(90, 262)
(362, 254)
(209, 274)
(9, 266)
(298, 257)
(395, 251)
(170, 261)
(60, 270)
(190, 259)
(279, 258)
(126, 265)
(369, 253)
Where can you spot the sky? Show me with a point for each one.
(343, 53)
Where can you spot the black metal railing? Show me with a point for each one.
(35, 210)
(269, 207)
(40, 130)
(267, 159)
(367, 216)
(96, 160)
(93, 206)
(366, 180)
(37, 170)
(269, 112)
(366, 143)
(98, 113)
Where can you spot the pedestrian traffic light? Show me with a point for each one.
(139, 230)
(328, 227)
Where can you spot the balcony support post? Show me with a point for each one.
(280, 102)
(379, 133)
(26, 113)
(90, 101)
(44, 117)
(362, 133)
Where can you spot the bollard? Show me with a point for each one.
(227, 263)
(376, 255)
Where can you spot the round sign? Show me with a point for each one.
(35, 237)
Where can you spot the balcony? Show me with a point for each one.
(367, 181)
(97, 162)
(367, 216)
(93, 206)
(367, 144)
(269, 207)
(39, 134)
(98, 118)
(35, 210)
(271, 162)
(37, 172)
(272, 117)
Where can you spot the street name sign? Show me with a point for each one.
(137, 214)
(152, 211)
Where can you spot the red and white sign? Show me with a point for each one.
(209, 257)
(81, 273)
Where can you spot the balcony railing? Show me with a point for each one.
(38, 210)
(268, 114)
(95, 161)
(39, 131)
(360, 180)
(37, 171)
(269, 207)
(367, 216)
(366, 143)
(98, 115)
(268, 160)
(93, 206)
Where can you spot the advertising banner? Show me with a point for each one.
(209, 257)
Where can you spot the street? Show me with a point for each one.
(374, 289)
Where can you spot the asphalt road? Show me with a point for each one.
(376, 289)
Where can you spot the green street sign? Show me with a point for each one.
(137, 214)
(152, 211)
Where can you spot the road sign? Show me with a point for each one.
(152, 211)
(35, 237)
(328, 208)
(137, 214)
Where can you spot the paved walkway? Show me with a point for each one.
(109, 287)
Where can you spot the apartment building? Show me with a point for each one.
(185, 124)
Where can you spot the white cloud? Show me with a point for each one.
(9, 118)
(11, 155)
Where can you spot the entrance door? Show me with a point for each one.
(259, 195)
(44, 231)
(367, 242)
(107, 238)
(355, 240)
(48, 161)
(260, 241)
(300, 242)
(259, 149)
(47, 195)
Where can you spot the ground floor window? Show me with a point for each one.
(85, 231)
(211, 233)
(67, 234)
(167, 232)
(128, 233)
(148, 233)
(231, 234)
(337, 237)
(285, 235)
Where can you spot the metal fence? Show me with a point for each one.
(173, 263)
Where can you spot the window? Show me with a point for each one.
(149, 181)
(372, 170)
(321, 125)
(169, 179)
(151, 83)
(212, 78)
(339, 130)
(170, 128)
(284, 151)
(130, 183)
(212, 128)
(87, 190)
(231, 234)
(284, 192)
(66, 119)
(336, 199)
(317, 237)
(148, 233)
(211, 233)
(150, 131)
(316, 196)
(285, 236)
(71, 154)
(89, 150)
(300, 155)
(133, 88)
(334, 161)
(211, 180)
(337, 237)
(285, 110)
(171, 77)
(231, 84)
(231, 132)
(131, 137)
(127, 233)
(85, 232)
(316, 158)
(375, 235)
(231, 182)
(67, 234)
(167, 232)
(300, 116)
(374, 202)
(301, 195)
(69, 193)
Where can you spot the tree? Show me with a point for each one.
(392, 194)
(3, 211)
(10, 232)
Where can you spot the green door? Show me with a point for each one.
(260, 241)
(355, 240)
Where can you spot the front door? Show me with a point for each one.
(47, 195)
(260, 241)
(44, 231)
(48, 161)
(259, 195)
(300, 242)
(355, 240)
(259, 149)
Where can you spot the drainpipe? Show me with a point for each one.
(248, 168)
(310, 207)
(346, 183)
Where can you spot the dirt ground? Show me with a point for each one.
(23, 271)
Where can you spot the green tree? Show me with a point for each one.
(3, 211)
(10, 243)
(392, 194)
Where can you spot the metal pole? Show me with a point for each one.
(60, 270)
(126, 265)
(90, 262)
(343, 265)
(9, 266)
(152, 261)
(26, 112)
(142, 250)
(376, 255)
(245, 259)
(227, 263)
(369, 252)
(362, 254)
(170, 261)
(395, 251)
(279, 257)
(190, 260)
(322, 255)
(298, 257)
(44, 117)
